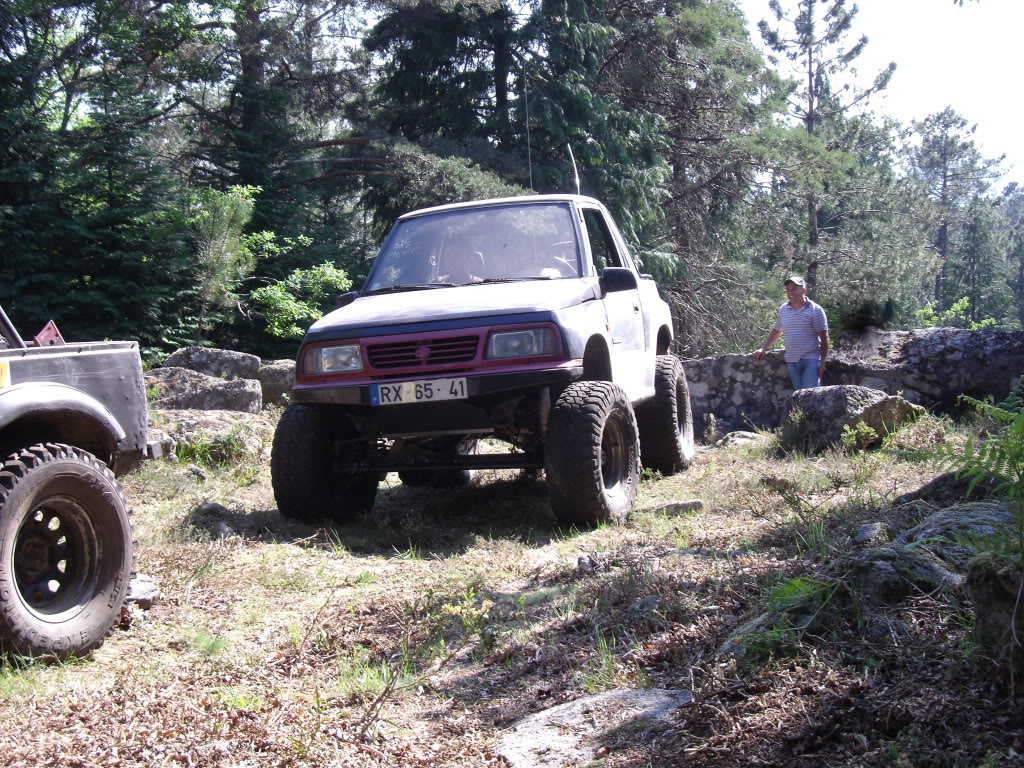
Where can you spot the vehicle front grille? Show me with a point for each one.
(423, 352)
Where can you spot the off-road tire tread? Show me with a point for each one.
(664, 446)
(300, 470)
(572, 454)
(15, 634)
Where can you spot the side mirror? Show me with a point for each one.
(345, 299)
(618, 279)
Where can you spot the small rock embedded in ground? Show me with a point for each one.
(591, 563)
(210, 516)
(574, 733)
(673, 508)
(196, 472)
(738, 438)
(142, 591)
(644, 605)
(875, 534)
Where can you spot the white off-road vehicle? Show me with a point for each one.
(522, 319)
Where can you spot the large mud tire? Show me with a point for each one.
(666, 421)
(313, 449)
(66, 551)
(444, 478)
(592, 454)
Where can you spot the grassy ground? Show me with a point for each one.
(416, 636)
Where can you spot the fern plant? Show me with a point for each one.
(996, 459)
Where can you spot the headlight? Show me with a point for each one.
(532, 342)
(346, 359)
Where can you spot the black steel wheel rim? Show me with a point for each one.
(613, 452)
(53, 564)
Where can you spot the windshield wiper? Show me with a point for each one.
(511, 279)
(408, 287)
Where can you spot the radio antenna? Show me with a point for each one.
(526, 98)
(575, 171)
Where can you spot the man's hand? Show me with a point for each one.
(757, 355)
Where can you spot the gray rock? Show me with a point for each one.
(183, 388)
(142, 591)
(929, 367)
(575, 733)
(592, 563)
(675, 508)
(644, 605)
(738, 438)
(211, 517)
(220, 363)
(944, 532)
(276, 378)
(994, 588)
(196, 472)
(887, 576)
(875, 534)
(818, 415)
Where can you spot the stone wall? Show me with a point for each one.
(929, 367)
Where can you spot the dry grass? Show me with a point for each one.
(416, 636)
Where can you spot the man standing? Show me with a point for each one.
(806, 330)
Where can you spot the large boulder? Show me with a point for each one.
(221, 363)
(581, 731)
(183, 388)
(817, 416)
(220, 436)
(930, 366)
(276, 378)
(738, 392)
(994, 588)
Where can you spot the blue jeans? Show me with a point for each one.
(804, 373)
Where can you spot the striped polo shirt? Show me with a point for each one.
(800, 329)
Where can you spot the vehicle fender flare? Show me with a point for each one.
(69, 411)
(597, 359)
(664, 340)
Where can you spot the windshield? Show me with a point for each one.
(478, 245)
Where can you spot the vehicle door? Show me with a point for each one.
(623, 308)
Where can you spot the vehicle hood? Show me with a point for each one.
(467, 301)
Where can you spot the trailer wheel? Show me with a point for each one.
(592, 454)
(66, 551)
(310, 467)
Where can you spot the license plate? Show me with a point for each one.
(418, 391)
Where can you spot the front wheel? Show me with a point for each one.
(666, 421)
(66, 551)
(591, 454)
(443, 478)
(311, 466)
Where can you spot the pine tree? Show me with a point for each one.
(814, 41)
(954, 171)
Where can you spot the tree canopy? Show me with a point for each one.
(125, 124)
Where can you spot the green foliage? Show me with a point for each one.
(224, 258)
(858, 438)
(996, 460)
(604, 676)
(289, 306)
(954, 317)
(797, 591)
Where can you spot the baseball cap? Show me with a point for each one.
(796, 280)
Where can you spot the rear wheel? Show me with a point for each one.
(666, 421)
(443, 478)
(311, 466)
(66, 551)
(592, 454)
